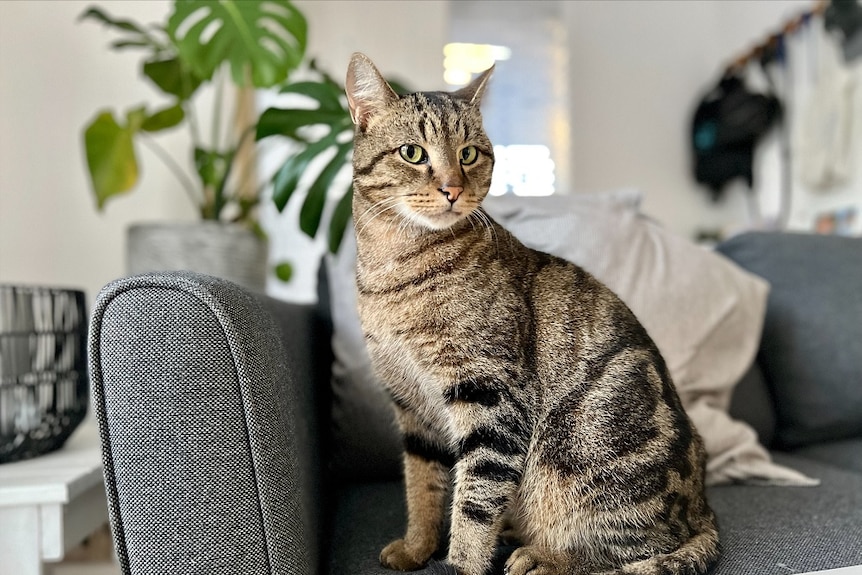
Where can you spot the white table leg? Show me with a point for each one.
(20, 541)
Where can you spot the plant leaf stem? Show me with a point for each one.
(172, 165)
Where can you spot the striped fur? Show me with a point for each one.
(514, 374)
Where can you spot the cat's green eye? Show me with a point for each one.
(469, 155)
(413, 153)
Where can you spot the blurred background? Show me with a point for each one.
(588, 96)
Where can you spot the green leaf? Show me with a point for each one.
(290, 122)
(111, 157)
(211, 166)
(340, 218)
(312, 208)
(164, 119)
(265, 39)
(326, 94)
(135, 118)
(94, 13)
(256, 228)
(282, 122)
(120, 44)
(138, 37)
(172, 77)
(283, 271)
(287, 177)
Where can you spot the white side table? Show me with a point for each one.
(51, 503)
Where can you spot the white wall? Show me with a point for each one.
(55, 73)
(636, 71)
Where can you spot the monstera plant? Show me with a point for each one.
(204, 43)
(319, 125)
(213, 44)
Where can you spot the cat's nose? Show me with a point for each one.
(452, 192)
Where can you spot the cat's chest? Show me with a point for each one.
(432, 312)
(413, 363)
(421, 333)
(420, 328)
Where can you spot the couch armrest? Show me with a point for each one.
(207, 439)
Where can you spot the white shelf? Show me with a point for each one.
(49, 504)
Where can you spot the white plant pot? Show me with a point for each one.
(225, 250)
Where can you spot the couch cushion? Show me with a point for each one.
(763, 530)
(704, 312)
(780, 530)
(810, 353)
(846, 453)
(367, 517)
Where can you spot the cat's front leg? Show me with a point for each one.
(494, 435)
(426, 478)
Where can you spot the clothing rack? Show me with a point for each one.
(772, 49)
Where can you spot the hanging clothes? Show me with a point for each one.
(824, 141)
(726, 126)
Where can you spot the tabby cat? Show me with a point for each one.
(514, 371)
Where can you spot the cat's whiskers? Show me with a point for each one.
(485, 221)
(472, 221)
(375, 210)
(378, 208)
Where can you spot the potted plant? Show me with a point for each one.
(245, 43)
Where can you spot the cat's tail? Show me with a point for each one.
(693, 557)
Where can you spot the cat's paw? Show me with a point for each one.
(402, 557)
(535, 560)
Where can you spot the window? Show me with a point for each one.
(525, 109)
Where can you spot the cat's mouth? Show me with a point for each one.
(441, 218)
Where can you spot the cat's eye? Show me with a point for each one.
(469, 155)
(413, 153)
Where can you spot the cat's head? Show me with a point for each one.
(423, 157)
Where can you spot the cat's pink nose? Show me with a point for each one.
(452, 192)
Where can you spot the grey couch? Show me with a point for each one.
(214, 407)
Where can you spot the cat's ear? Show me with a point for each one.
(367, 91)
(473, 91)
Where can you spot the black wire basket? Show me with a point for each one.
(44, 389)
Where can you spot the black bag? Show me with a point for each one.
(727, 124)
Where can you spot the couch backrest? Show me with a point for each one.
(811, 349)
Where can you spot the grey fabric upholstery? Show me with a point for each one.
(764, 530)
(810, 349)
(780, 530)
(368, 515)
(845, 453)
(199, 421)
(752, 404)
